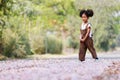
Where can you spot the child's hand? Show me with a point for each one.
(80, 37)
(82, 40)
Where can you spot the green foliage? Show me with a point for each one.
(72, 43)
(53, 44)
(37, 44)
(118, 40)
(24, 24)
(14, 45)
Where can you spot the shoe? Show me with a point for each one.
(96, 58)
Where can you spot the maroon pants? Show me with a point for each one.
(88, 44)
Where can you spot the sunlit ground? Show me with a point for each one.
(62, 67)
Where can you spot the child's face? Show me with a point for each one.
(84, 18)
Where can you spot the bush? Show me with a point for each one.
(118, 40)
(72, 43)
(53, 44)
(104, 45)
(37, 44)
(14, 45)
(2, 57)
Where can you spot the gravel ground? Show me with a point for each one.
(60, 69)
(110, 73)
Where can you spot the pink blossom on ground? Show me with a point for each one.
(56, 69)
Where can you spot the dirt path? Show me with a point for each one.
(112, 72)
(56, 69)
(62, 67)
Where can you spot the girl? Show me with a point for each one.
(86, 40)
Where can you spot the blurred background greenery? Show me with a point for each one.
(53, 26)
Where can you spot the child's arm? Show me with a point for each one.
(87, 34)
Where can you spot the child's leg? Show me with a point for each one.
(91, 48)
(82, 51)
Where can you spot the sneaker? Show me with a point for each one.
(96, 58)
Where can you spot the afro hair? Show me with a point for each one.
(88, 12)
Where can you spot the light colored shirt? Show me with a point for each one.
(84, 26)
